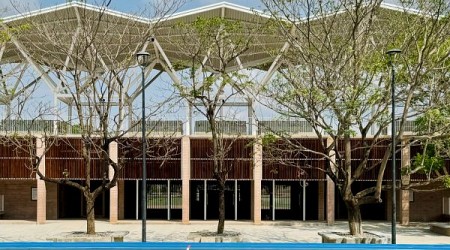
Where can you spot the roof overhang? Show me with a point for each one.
(55, 32)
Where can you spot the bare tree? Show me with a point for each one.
(86, 55)
(209, 49)
(335, 76)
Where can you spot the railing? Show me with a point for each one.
(226, 127)
(409, 127)
(160, 126)
(63, 127)
(290, 127)
(265, 126)
(157, 196)
(44, 126)
(237, 127)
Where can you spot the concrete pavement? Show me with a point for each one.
(173, 231)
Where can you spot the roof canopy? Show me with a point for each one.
(48, 35)
(55, 35)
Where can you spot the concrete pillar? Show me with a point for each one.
(321, 205)
(113, 192)
(405, 178)
(188, 127)
(41, 206)
(330, 201)
(252, 126)
(330, 189)
(256, 182)
(185, 178)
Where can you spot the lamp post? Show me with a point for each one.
(143, 60)
(390, 54)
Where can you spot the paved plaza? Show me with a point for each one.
(165, 231)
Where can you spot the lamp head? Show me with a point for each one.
(143, 58)
(65, 173)
(393, 51)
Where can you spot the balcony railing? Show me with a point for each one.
(409, 127)
(238, 127)
(35, 126)
(225, 127)
(289, 127)
(160, 126)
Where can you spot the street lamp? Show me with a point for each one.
(390, 54)
(143, 59)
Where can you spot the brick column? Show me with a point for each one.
(41, 206)
(405, 178)
(113, 192)
(256, 182)
(330, 190)
(185, 178)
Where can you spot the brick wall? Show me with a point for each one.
(427, 206)
(18, 203)
(52, 201)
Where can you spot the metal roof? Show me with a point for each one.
(57, 31)
(51, 34)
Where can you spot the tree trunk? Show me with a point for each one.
(90, 212)
(354, 218)
(221, 225)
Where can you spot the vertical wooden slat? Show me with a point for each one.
(239, 159)
(303, 165)
(157, 168)
(15, 160)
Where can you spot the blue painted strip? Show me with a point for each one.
(198, 246)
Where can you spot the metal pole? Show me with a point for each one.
(273, 200)
(390, 53)
(137, 199)
(394, 195)
(304, 200)
(235, 200)
(205, 198)
(144, 164)
(168, 200)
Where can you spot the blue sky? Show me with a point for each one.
(10, 7)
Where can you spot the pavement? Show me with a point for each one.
(174, 231)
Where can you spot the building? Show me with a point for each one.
(183, 189)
